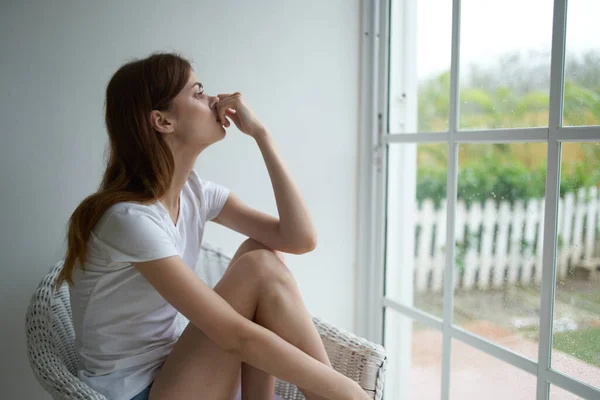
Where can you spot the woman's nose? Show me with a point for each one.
(213, 101)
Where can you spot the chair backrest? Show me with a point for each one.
(50, 333)
(50, 337)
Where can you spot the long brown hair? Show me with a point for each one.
(140, 163)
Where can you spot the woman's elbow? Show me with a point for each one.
(306, 245)
(245, 340)
(234, 340)
(312, 242)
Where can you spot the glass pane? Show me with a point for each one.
(416, 225)
(499, 233)
(420, 91)
(477, 375)
(415, 359)
(505, 63)
(576, 329)
(557, 393)
(582, 64)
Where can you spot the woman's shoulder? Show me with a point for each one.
(128, 213)
(202, 186)
(132, 208)
(194, 180)
(196, 186)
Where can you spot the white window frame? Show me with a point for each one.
(374, 140)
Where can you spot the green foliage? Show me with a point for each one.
(532, 102)
(511, 93)
(581, 105)
(431, 184)
(580, 176)
(434, 104)
(500, 177)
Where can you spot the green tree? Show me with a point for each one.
(513, 93)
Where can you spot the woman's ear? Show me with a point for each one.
(160, 122)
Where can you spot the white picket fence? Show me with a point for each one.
(505, 243)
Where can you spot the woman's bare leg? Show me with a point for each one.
(286, 315)
(257, 384)
(254, 285)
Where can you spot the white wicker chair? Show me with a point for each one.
(50, 336)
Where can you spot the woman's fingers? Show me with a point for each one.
(222, 106)
(232, 114)
(218, 107)
(227, 102)
(232, 106)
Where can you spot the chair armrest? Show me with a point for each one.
(355, 357)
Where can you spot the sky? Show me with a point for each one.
(491, 28)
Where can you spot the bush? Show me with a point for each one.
(431, 184)
(501, 178)
(579, 176)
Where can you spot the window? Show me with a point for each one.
(482, 234)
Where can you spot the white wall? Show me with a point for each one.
(297, 63)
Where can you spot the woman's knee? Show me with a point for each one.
(252, 244)
(266, 266)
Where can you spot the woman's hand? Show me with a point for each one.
(360, 394)
(234, 107)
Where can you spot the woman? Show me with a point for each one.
(133, 246)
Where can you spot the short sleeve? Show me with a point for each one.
(128, 235)
(214, 196)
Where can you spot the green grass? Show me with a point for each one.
(583, 344)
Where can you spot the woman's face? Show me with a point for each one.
(194, 116)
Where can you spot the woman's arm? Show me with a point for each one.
(251, 342)
(268, 352)
(294, 231)
(295, 222)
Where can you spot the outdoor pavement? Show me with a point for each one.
(476, 375)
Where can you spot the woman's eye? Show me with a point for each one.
(199, 94)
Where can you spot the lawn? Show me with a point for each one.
(583, 344)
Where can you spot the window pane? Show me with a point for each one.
(420, 91)
(433, 64)
(416, 225)
(557, 393)
(576, 329)
(415, 359)
(477, 375)
(582, 64)
(505, 63)
(499, 233)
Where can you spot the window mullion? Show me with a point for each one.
(451, 196)
(578, 134)
(454, 69)
(551, 197)
(369, 225)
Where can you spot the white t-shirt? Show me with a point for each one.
(124, 329)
